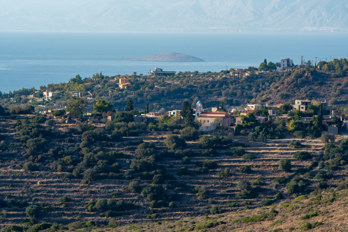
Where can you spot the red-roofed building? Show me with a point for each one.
(244, 113)
(211, 120)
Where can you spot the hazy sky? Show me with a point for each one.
(174, 16)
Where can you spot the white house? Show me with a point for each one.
(286, 63)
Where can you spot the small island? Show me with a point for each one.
(169, 57)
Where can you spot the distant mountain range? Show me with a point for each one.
(169, 57)
(159, 16)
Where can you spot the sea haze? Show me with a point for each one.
(34, 59)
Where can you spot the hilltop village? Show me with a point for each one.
(230, 151)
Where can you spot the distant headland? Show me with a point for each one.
(169, 57)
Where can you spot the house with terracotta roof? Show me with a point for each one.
(209, 121)
(123, 83)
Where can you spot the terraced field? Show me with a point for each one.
(23, 188)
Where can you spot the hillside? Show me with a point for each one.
(322, 212)
(97, 173)
(229, 87)
(307, 85)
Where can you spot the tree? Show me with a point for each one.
(189, 133)
(33, 211)
(147, 109)
(102, 106)
(245, 189)
(187, 114)
(2, 110)
(129, 106)
(285, 108)
(76, 106)
(174, 142)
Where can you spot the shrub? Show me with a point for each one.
(266, 202)
(236, 152)
(64, 200)
(302, 155)
(214, 209)
(39, 227)
(33, 211)
(134, 186)
(12, 228)
(297, 185)
(245, 169)
(189, 133)
(174, 142)
(309, 226)
(208, 164)
(59, 113)
(245, 189)
(154, 192)
(285, 165)
(328, 138)
(29, 166)
(295, 144)
(103, 205)
(225, 173)
(310, 215)
(145, 150)
(248, 156)
(201, 192)
(281, 180)
(89, 175)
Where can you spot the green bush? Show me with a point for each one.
(236, 152)
(245, 190)
(295, 144)
(29, 166)
(302, 155)
(12, 228)
(266, 202)
(173, 142)
(189, 133)
(297, 185)
(201, 192)
(245, 169)
(248, 156)
(310, 215)
(103, 205)
(285, 165)
(39, 227)
(309, 226)
(33, 211)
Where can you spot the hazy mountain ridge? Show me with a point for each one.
(178, 16)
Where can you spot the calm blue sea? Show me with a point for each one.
(34, 59)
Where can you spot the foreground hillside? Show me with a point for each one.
(62, 173)
(325, 211)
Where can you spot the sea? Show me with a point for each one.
(36, 59)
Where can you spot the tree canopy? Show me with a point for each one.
(102, 106)
(187, 114)
(76, 106)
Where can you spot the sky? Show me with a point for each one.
(174, 16)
